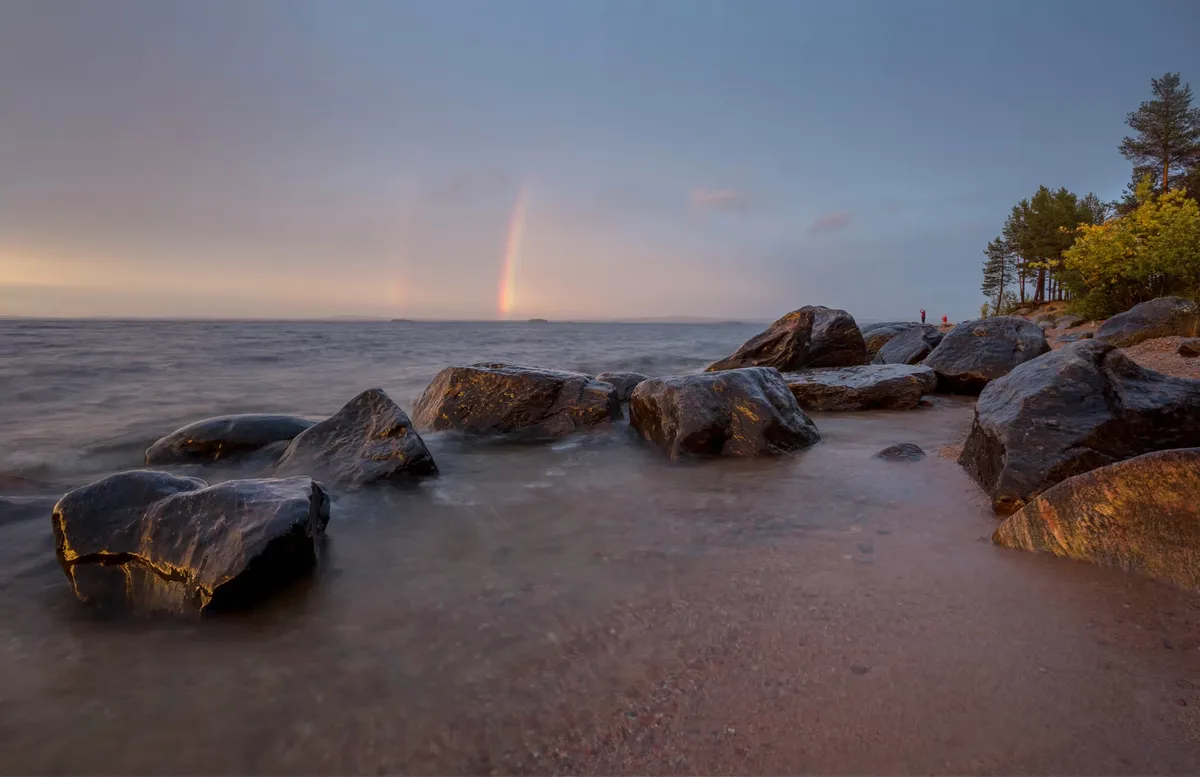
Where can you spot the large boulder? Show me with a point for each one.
(224, 436)
(877, 335)
(625, 382)
(812, 336)
(521, 403)
(744, 412)
(1141, 515)
(868, 387)
(1081, 407)
(149, 541)
(910, 346)
(369, 439)
(1162, 317)
(976, 352)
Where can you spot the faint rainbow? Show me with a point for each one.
(512, 252)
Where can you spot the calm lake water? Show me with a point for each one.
(583, 607)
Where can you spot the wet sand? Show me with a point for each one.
(591, 608)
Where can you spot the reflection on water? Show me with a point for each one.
(586, 606)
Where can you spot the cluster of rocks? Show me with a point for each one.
(148, 540)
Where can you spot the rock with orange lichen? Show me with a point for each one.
(370, 439)
(153, 542)
(867, 387)
(1141, 515)
(514, 402)
(1070, 411)
(1161, 317)
(813, 336)
(743, 412)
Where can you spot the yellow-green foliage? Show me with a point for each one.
(1151, 251)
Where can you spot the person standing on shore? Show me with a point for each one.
(922, 315)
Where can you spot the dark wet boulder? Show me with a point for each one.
(976, 352)
(744, 412)
(1081, 407)
(812, 336)
(224, 436)
(1073, 337)
(1189, 348)
(1162, 317)
(515, 402)
(1141, 515)
(370, 439)
(905, 451)
(625, 382)
(909, 347)
(875, 336)
(867, 387)
(1066, 322)
(153, 542)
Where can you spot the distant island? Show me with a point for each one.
(538, 321)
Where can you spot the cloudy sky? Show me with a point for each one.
(558, 158)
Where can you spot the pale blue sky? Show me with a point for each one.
(679, 157)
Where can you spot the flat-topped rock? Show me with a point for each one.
(153, 542)
(625, 382)
(867, 387)
(744, 412)
(224, 436)
(977, 352)
(1081, 407)
(1141, 515)
(516, 402)
(813, 336)
(910, 346)
(370, 439)
(1161, 317)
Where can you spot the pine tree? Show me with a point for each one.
(999, 270)
(1167, 143)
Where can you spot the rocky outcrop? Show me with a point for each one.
(875, 336)
(1066, 322)
(744, 412)
(519, 403)
(910, 346)
(152, 542)
(1162, 317)
(1081, 407)
(812, 336)
(625, 382)
(1073, 337)
(224, 436)
(370, 439)
(905, 451)
(1141, 515)
(977, 352)
(1189, 348)
(868, 387)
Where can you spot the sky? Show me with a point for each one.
(482, 159)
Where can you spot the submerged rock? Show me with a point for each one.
(369, 439)
(812, 336)
(976, 352)
(744, 412)
(1141, 515)
(1081, 407)
(1162, 317)
(905, 451)
(224, 436)
(867, 387)
(909, 347)
(153, 542)
(625, 382)
(526, 403)
(1189, 348)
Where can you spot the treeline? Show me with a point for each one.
(1105, 257)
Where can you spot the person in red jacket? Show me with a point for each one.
(945, 321)
(922, 315)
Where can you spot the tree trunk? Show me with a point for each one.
(1166, 171)
(1040, 294)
